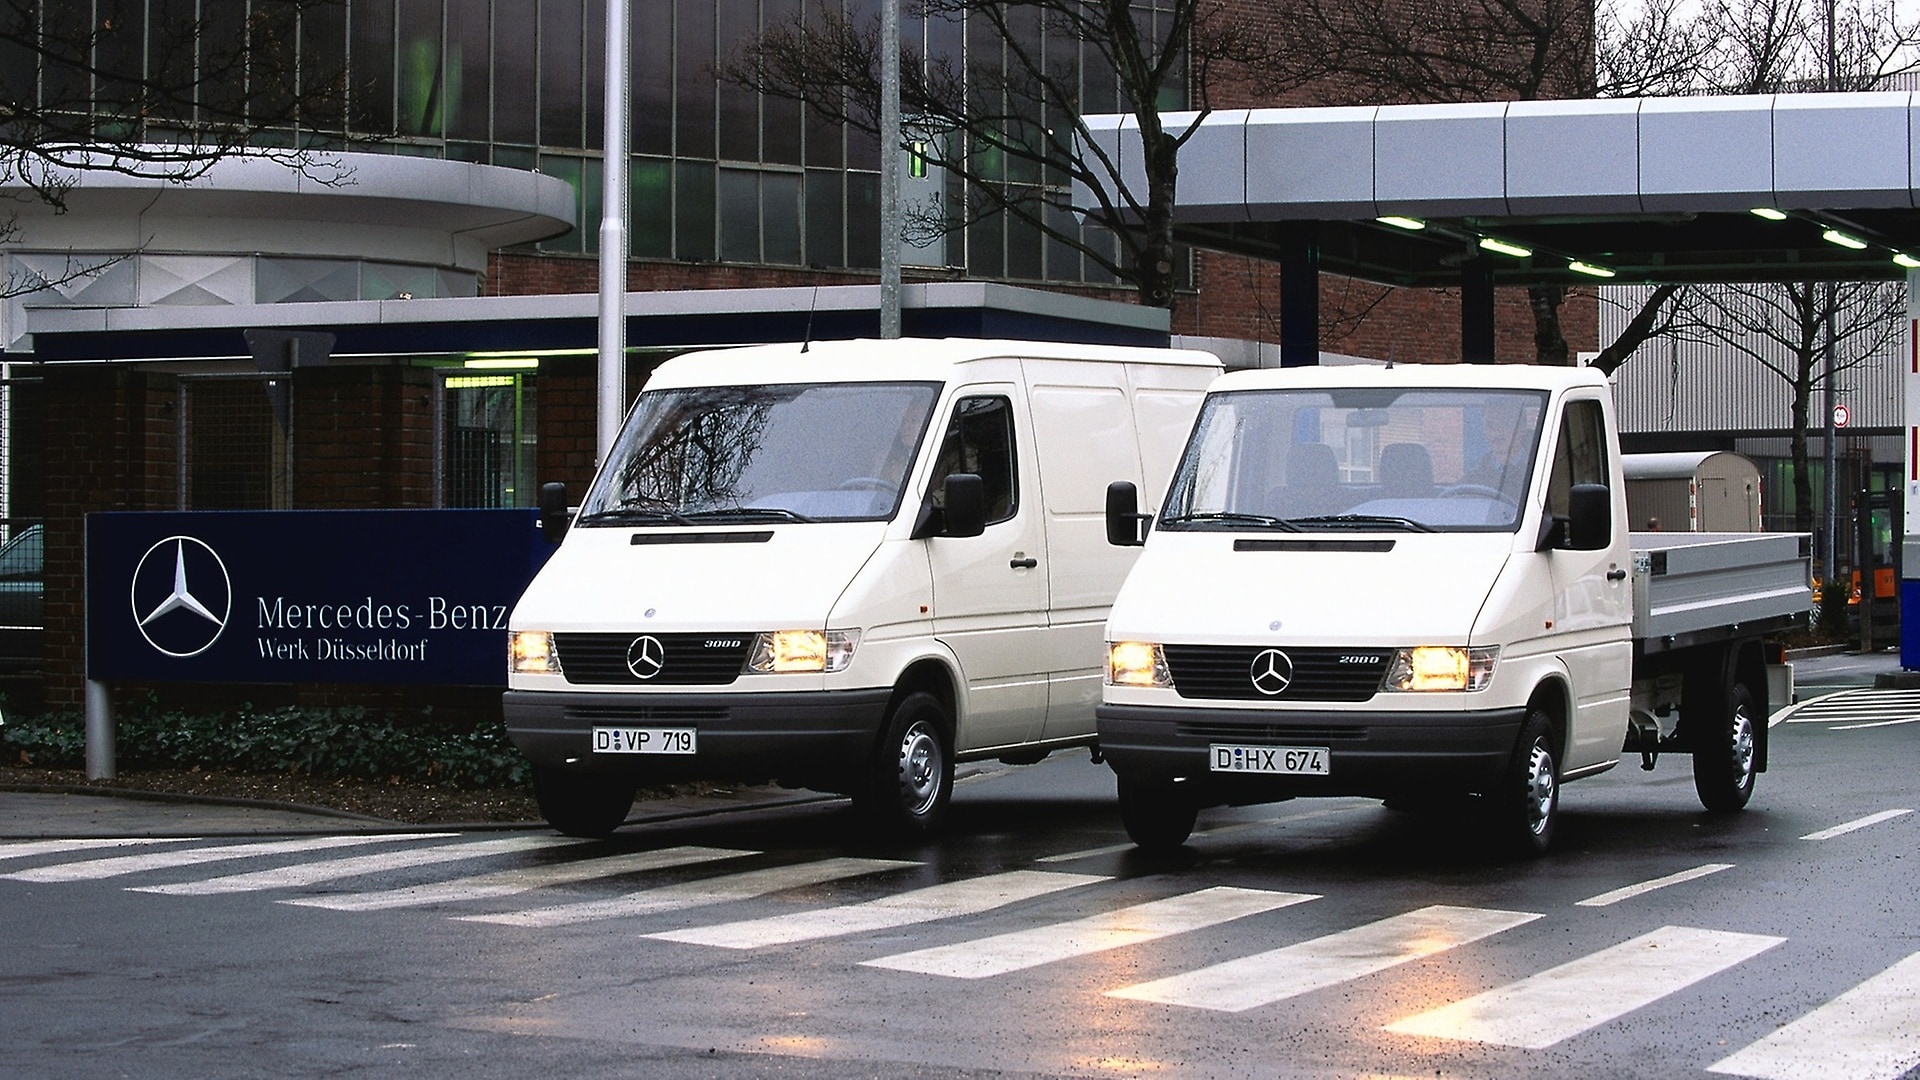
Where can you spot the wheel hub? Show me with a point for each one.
(919, 768)
(1540, 781)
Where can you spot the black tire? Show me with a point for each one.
(1157, 814)
(580, 803)
(1725, 751)
(910, 780)
(1527, 803)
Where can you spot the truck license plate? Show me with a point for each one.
(644, 740)
(1281, 760)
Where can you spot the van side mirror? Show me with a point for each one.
(1589, 517)
(1123, 514)
(554, 518)
(966, 511)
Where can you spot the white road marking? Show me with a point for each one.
(1856, 824)
(512, 882)
(1098, 933)
(946, 901)
(30, 848)
(1631, 891)
(1278, 974)
(301, 874)
(1072, 856)
(690, 894)
(1876, 723)
(1871, 1032)
(1559, 1003)
(1857, 704)
(96, 869)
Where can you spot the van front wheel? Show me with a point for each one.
(1527, 805)
(1158, 815)
(910, 780)
(581, 804)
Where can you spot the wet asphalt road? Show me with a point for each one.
(1568, 966)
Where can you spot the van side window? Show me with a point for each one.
(979, 440)
(1579, 456)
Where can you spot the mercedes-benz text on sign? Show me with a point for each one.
(347, 596)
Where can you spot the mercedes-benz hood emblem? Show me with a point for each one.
(646, 656)
(1272, 672)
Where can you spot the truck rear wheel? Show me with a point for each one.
(1724, 751)
(1158, 815)
(910, 780)
(1528, 802)
(581, 804)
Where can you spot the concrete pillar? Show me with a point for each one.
(1299, 294)
(1476, 312)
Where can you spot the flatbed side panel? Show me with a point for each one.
(1688, 582)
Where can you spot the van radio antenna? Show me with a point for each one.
(806, 340)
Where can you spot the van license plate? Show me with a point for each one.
(644, 740)
(1282, 760)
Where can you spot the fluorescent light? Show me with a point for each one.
(1588, 269)
(1901, 258)
(478, 382)
(1505, 248)
(1768, 212)
(1407, 223)
(1835, 236)
(503, 363)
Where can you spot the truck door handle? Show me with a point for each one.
(1616, 574)
(1024, 564)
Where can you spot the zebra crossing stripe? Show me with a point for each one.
(690, 894)
(1860, 704)
(512, 882)
(946, 901)
(1559, 1003)
(1855, 825)
(1871, 1032)
(1277, 974)
(96, 869)
(1630, 891)
(29, 849)
(1126, 926)
(301, 874)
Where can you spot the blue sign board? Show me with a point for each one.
(327, 596)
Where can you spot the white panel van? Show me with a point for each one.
(842, 566)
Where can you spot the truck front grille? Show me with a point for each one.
(1316, 674)
(669, 659)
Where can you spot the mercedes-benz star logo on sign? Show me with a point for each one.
(182, 596)
(1272, 671)
(646, 656)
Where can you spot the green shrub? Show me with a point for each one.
(322, 743)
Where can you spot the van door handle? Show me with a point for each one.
(1024, 564)
(1616, 574)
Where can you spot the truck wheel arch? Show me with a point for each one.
(1554, 696)
(932, 676)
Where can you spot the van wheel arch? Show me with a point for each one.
(933, 677)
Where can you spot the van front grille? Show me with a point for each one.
(1227, 672)
(663, 659)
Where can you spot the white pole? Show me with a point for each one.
(890, 169)
(613, 236)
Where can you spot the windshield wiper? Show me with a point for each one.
(1265, 521)
(1408, 524)
(633, 515)
(749, 513)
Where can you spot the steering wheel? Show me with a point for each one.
(867, 483)
(1482, 490)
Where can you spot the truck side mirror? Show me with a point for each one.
(966, 510)
(554, 518)
(1123, 514)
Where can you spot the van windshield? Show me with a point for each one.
(784, 452)
(1312, 460)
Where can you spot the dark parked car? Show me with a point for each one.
(22, 627)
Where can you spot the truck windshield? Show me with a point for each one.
(784, 452)
(1415, 460)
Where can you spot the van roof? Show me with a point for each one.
(865, 359)
(1439, 376)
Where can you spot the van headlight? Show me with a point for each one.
(781, 651)
(531, 652)
(1442, 667)
(1137, 663)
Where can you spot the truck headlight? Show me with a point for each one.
(531, 652)
(1442, 667)
(802, 650)
(1137, 663)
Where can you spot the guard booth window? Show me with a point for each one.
(233, 443)
(487, 441)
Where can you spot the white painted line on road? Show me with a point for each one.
(96, 869)
(691, 894)
(1278, 974)
(1111, 849)
(1631, 891)
(301, 874)
(1559, 1003)
(513, 882)
(1871, 1032)
(1876, 723)
(1856, 824)
(950, 900)
(1061, 941)
(30, 848)
(1070, 856)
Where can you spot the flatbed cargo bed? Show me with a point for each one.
(1690, 584)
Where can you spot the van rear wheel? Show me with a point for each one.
(580, 803)
(1724, 752)
(1157, 814)
(910, 780)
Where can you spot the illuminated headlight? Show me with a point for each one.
(802, 650)
(530, 652)
(1442, 667)
(1137, 663)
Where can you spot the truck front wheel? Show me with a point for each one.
(1528, 805)
(1723, 752)
(910, 780)
(1158, 815)
(581, 804)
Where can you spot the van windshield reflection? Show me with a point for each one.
(792, 452)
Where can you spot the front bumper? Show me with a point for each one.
(1374, 753)
(809, 739)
